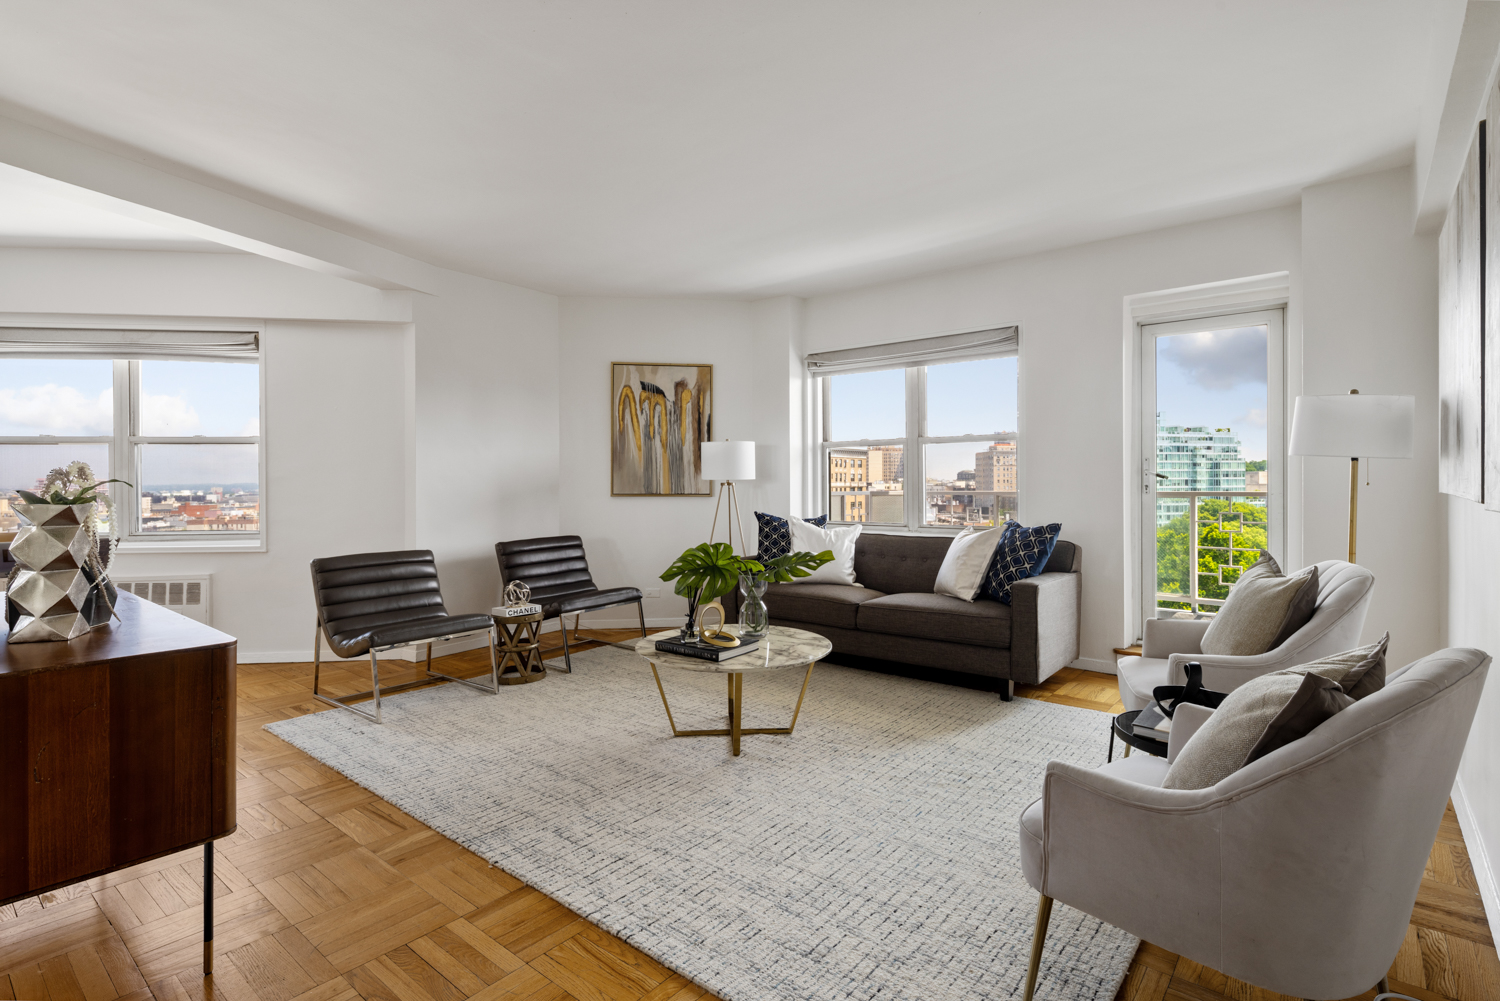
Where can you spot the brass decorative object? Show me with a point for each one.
(58, 590)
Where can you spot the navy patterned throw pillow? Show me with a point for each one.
(776, 536)
(1022, 553)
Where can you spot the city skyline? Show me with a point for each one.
(1215, 378)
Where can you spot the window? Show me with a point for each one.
(1211, 434)
(183, 431)
(922, 446)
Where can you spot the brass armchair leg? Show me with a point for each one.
(641, 611)
(1043, 914)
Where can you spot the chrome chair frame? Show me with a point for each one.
(343, 701)
(562, 626)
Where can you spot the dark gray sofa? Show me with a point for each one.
(895, 616)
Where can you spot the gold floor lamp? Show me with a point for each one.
(1376, 427)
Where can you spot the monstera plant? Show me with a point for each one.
(711, 570)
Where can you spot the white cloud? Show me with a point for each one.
(251, 428)
(1218, 359)
(1253, 417)
(54, 409)
(168, 415)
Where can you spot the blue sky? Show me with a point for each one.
(1215, 379)
(74, 397)
(962, 398)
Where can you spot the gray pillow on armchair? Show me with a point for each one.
(1264, 608)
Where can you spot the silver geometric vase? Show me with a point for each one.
(54, 595)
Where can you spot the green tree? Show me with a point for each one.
(1230, 535)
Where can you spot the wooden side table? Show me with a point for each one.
(519, 648)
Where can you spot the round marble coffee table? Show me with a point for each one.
(783, 648)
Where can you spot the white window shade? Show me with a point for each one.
(1000, 342)
(130, 345)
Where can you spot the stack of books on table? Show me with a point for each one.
(1153, 723)
(705, 651)
(516, 611)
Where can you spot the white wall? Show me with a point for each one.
(1370, 323)
(1068, 304)
(1473, 620)
(486, 432)
(631, 540)
(393, 419)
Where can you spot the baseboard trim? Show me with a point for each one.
(1094, 664)
(1479, 856)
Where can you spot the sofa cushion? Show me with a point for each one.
(823, 604)
(938, 617)
(899, 564)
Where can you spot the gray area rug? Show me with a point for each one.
(871, 855)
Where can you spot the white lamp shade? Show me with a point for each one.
(1355, 426)
(728, 460)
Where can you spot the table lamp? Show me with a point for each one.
(727, 462)
(1377, 427)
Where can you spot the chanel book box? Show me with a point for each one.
(516, 611)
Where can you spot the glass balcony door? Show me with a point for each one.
(1212, 472)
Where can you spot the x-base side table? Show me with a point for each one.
(518, 648)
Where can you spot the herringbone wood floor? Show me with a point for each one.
(326, 893)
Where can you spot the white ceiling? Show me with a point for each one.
(724, 147)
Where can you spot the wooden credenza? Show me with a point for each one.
(115, 748)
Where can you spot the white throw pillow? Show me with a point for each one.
(966, 561)
(808, 538)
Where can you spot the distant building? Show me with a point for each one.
(995, 468)
(1255, 481)
(887, 464)
(1197, 459)
(848, 484)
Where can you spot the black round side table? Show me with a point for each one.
(1122, 726)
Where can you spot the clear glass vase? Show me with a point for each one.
(755, 620)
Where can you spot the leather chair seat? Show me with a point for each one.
(981, 622)
(820, 604)
(354, 642)
(583, 601)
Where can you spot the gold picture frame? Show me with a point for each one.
(660, 414)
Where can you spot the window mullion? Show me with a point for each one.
(126, 514)
(916, 408)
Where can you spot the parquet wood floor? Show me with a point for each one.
(327, 893)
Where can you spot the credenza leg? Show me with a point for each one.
(208, 908)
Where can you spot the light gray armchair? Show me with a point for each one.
(1338, 620)
(1298, 872)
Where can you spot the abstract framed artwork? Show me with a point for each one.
(660, 416)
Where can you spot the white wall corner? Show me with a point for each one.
(1480, 859)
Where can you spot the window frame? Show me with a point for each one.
(914, 481)
(125, 453)
(1278, 399)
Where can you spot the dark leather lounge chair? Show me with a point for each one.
(557, 571)
(375, 602)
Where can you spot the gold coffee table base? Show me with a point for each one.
(736, 703)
